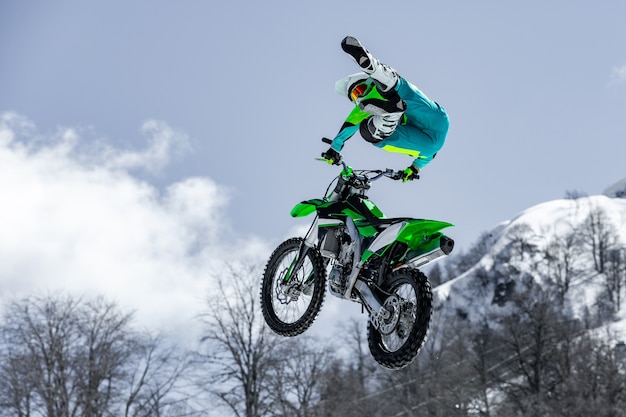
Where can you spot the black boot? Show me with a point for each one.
(385, 76)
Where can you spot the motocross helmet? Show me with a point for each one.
(354, 86)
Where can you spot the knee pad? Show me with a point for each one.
(365, 132)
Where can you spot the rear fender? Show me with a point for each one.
(421, 236)
(420, 232)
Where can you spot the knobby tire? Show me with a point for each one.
(275, 310)
(396, 358)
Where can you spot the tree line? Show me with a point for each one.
(65, 356)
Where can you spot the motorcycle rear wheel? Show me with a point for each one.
(398, 340)
(290, 307)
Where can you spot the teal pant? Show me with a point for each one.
(425, 129)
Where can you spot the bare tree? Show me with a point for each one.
(66, 357)
(533, 338)
(297, 380)
(484, 359)
(38, 338)
(600, 237)
(521, 241)
(594, 383)
(574, 194)
(340, 393)
(238, 348)
(615, 276)
(353, 338)
(561, 256)
(103, 331)
(157, 380)
(435, 384)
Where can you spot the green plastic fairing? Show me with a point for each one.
(414, 233)
(420, 235)
(305, 208)
(373, 208)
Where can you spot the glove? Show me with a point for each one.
(332, 156)
(411, 173)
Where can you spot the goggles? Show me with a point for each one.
(360, 90)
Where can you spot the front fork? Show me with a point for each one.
(307, 244)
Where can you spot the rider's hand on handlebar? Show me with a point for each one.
(332, 156)
(410, 173)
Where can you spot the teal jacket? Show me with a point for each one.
(421, 134)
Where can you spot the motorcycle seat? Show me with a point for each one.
(383, 223)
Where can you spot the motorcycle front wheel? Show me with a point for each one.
(291, 300)
(396, 340)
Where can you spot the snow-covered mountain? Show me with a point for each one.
(572, 247)
(617, 190)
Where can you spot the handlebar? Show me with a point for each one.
(368, 175)
(362, 174)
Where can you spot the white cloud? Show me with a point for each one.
(73, 217)
(164, 141)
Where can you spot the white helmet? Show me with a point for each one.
(345, 85)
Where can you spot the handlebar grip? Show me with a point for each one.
(395, 175)
(326, 140)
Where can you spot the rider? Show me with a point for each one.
(391, 113)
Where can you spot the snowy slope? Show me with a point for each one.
(525, 252)
(617, 190)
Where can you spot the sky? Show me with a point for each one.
(144, 140)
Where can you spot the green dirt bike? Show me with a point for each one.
(370, 259)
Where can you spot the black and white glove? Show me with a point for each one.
(332, 156)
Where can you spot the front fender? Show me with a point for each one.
(307, 207)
